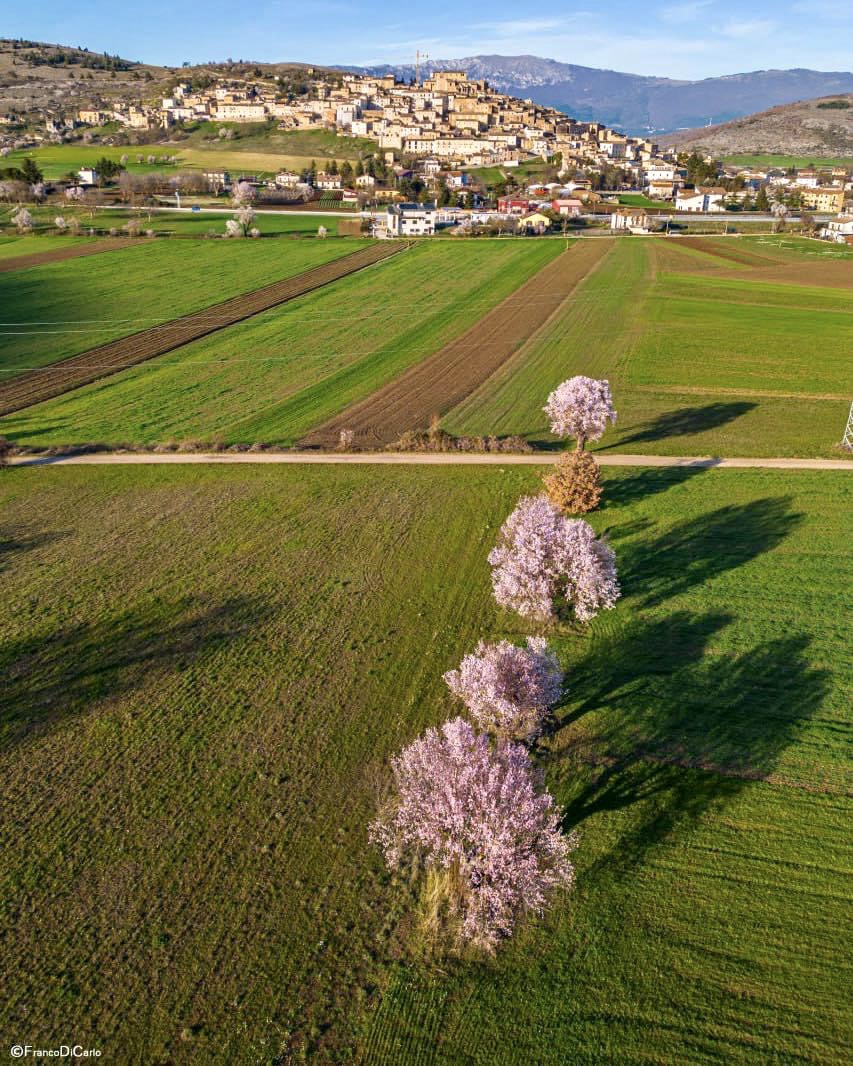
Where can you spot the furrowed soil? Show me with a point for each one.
(441, 381)
(43, 384)
(74, 251)
(703, 359)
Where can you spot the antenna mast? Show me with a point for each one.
(419, 55)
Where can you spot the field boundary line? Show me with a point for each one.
(423, 459)
(74, 251)
(47, 382)
(445, 378)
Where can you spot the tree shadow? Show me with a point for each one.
(49, 679)
(697, 550)
(621, 491)
(730, 718)
(24, 540)
(685, 422)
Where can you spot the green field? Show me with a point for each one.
(201, 223)
(12, 247)
(59, 309)
(700, 363)
(262, 151)
(786, 161)
(207, 668)
(276, 375)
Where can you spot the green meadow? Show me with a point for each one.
(276, 375)
(58, 309)
(253, 150)
(769, 159)
(207, 668)
(700, 363)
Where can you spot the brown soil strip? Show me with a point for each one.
(837, 274)
(49, 381)
(726, 250)
(445, 378)
(73, 251)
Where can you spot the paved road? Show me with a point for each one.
(421, 459)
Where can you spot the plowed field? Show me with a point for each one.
(444, 379)
(73, 251)
(44, 383)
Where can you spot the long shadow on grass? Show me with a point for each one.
(50, 678)
(684, 422)
(622, 490)
(23, 540)
(697, 550)
(729, 717)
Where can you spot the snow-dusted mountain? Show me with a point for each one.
(635, 102)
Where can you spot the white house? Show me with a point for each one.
(365, 181)
(659, 170)
(410, 220)
(630, 220)
(88, 176)
(839, 230)
(328, 181)
(700, 199)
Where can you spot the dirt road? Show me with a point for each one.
(422, 459)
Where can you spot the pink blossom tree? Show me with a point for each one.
(244, 192)
(508, 689)
(476, 818)
(581, 407)
(542, 556)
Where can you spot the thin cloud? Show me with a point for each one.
(679, 14)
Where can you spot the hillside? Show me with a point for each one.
(38, 77)
(634, 102)
(821, 127)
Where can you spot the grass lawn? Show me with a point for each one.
(253, 150)
(786, 161)
(277, 375)
(700, 363)
(195, 736)
(57, 160)
(635, 199)
(12, 247)
(199, 224)
(60, 309)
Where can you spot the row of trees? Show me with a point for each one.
(470, 814)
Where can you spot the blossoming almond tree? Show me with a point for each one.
(476, 817)
(508, 689)
(581, 408)
(541, 556)
(244, 192)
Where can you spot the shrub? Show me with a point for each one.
(574, 486)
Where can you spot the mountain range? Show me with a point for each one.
(636, 103)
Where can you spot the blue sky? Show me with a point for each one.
(687, 39)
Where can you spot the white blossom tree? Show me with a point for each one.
(543, 560)
(508, 690)
(476, 818)
(580, 407)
